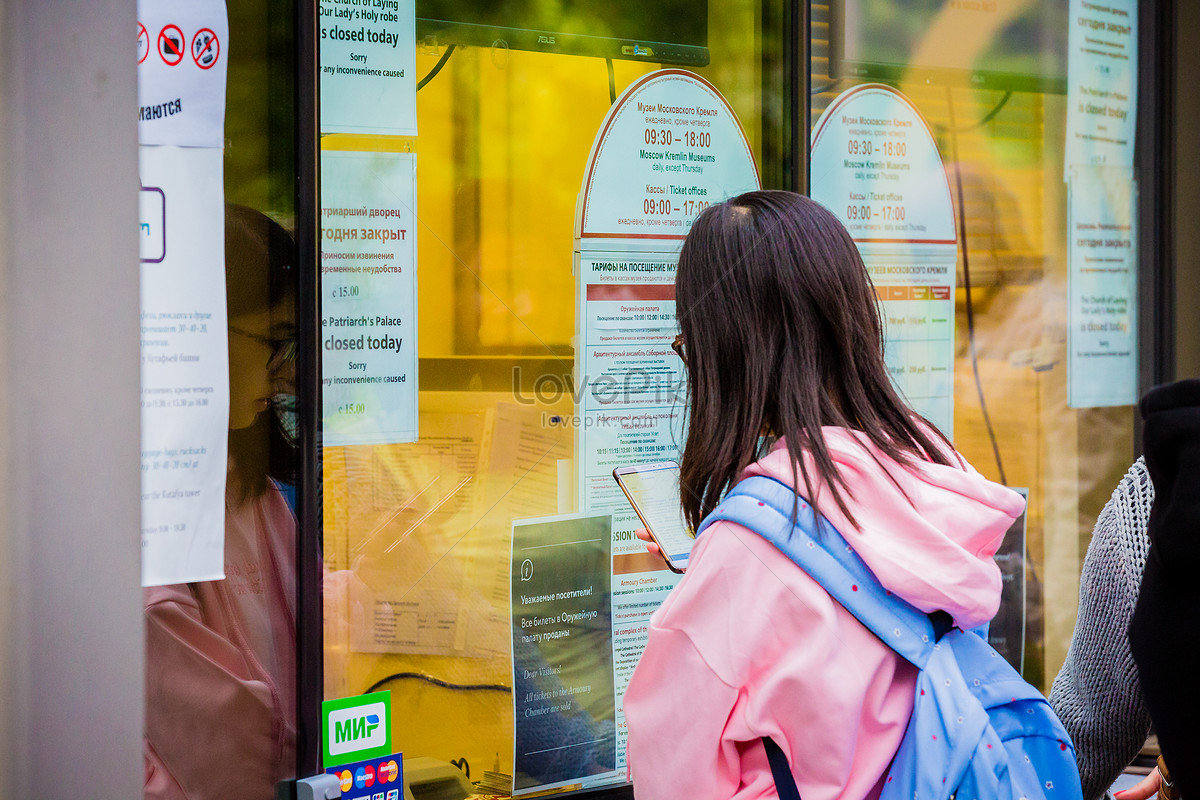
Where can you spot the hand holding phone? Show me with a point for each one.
(653, 491)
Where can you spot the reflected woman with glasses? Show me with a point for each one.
(220, 655)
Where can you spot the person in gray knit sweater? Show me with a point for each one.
(1097, 694)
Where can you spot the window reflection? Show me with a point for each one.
(220, 655)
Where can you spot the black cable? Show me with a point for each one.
(984, 120)
(825, 87)
(436, 67)
(458, 687)
(962, 235)
(612, 82)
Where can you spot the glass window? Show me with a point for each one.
(418, 534)
(1033, 398)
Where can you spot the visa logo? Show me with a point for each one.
(358, 728)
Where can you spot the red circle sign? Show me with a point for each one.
(205, 48)
(170, 45)
(143, 43)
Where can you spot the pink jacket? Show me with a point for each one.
(747, 645)
(220, 666)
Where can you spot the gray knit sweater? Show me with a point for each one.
(1097, 693)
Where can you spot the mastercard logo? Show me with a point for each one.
(388, 771)
(347, 779)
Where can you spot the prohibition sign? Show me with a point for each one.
(205, 48)
(143, 43)
(170, 45)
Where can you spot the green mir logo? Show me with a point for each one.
(356, 727)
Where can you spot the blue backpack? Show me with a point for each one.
(978, 731)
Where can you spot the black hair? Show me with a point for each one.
(260, 273)
(781, 333)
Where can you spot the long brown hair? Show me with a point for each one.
(781, 333)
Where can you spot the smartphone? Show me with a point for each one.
(653, 491)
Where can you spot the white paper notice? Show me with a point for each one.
(668, 148)
(368, 67)
(1102, 343)
(368, 309)
(877, 167)
(181, 72)
(1101, 83)
(185, 365)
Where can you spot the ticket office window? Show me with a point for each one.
(417, 534)
(991, 82)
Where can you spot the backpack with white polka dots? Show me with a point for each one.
(978, 731)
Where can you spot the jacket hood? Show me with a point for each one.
(927, 531)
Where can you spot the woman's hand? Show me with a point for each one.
(644, 535)
(1145, 788)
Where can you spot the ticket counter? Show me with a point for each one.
(474, 349)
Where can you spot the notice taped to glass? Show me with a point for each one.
(185, 364)
(1102, 345)
(669, 148)
(368, 67)
(182, 64)
(876, 166)
(563, 707)
(1101, 84)
(368, 303)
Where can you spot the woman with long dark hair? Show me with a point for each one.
(783, 343)
(220, 655)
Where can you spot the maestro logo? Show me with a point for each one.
(357, 728)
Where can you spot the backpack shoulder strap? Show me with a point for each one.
(765, 505)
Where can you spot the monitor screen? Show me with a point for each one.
(1014, 45)
(665, 32)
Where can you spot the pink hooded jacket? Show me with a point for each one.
(220, 666)
(747, 645)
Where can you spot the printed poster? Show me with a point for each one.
(368, 305)
(876, 166)
(1101, 84)
(563, 707)
(185, 364)
(368, 67)
(182, 53)
(1102, 340)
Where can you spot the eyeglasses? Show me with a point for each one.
(677, 346)
(283, 351)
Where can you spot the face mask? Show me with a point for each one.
(289, 419)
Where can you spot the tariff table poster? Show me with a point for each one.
(1102, 343)
(630, 412)
(368, 67)
(1102, 66)
(876, 166)
(669, 147)
(185, 365)
(368, 307)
